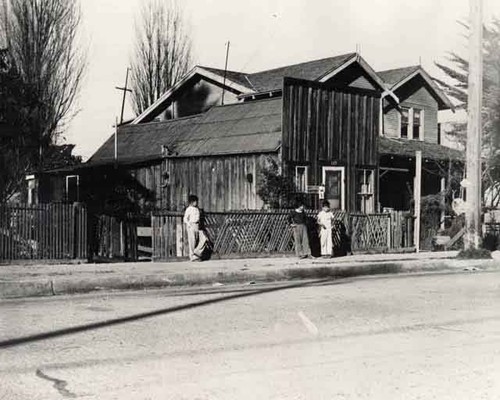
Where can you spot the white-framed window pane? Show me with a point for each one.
(405, 113)
(365, 190)
(301, 178)
(417, 122)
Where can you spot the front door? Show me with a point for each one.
(334, 182)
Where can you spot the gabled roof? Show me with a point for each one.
(252, 127)
(398, 77)
(247, 84)
(271, 79)
(407, 148)
(235, 76)
(213, 74)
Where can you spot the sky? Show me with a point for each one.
(264, 34)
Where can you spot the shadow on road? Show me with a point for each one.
(135, 317)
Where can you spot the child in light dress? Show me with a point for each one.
(325, 223)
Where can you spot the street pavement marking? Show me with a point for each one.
(313, 329)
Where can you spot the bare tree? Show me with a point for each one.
(42, 38)
(40, 76)
(162, 52)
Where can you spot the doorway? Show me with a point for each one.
(334, 183)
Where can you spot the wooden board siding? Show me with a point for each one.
(324, 126)
(414, 94)
(222, 182)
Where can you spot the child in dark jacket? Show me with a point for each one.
(298, 222)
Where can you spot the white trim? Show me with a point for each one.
(195, 71)
(400, 122)
(77, 186)
(366, 67)
(342, 178)
(430, 82)
(306, 173)
(410, 123)
(422, 124)
(334, 72)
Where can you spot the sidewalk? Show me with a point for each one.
(49, 280)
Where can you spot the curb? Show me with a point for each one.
(60, 286)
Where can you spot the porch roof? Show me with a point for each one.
(407, 148)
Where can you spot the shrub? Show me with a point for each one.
(471, 254)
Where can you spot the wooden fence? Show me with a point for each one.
(113, 238)
(53, 231)
(265, 233)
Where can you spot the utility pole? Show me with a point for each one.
(125, 89)
(417, 197)
(225, 71)
(474, 106)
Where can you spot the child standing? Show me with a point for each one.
(325, 218)
(298, 222)
(192, 221)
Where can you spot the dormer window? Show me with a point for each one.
(412, 123)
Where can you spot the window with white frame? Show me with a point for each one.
(365, 190)
(301, 178)
(72, 188)
(412, 123)
(405, 119)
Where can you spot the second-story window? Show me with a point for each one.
(405, 119)
(412, 123)
(417, 119)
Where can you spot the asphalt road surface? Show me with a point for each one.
(401, 337)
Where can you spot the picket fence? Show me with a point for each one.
(251, 233)
(53, 231)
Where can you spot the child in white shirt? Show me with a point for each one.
(325, 220)
(192, 221)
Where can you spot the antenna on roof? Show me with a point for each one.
(358, 48)
(125, 90)
(225, 72)
(420, 60)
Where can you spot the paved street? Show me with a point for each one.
(402, 337)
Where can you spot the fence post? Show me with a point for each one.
(389, 226)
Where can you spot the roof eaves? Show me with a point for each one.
(428, 79)
(196, 70)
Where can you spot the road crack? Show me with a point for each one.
(59, 384)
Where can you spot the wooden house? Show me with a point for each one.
(330, 124)
(413, 126)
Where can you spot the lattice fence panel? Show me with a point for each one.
(369, 231)
(269, 232)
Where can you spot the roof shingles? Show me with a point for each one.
(252, 127)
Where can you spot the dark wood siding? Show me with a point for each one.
(222, 183)
(325, 126)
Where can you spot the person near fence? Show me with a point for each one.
(192, 221)
(325, 220)
(344, 247)
(298, 222)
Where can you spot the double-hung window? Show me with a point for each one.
(301, 178)
(412, 126)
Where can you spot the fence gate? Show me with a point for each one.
(52, 231)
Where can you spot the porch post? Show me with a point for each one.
(443, 202)
(416, 196)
